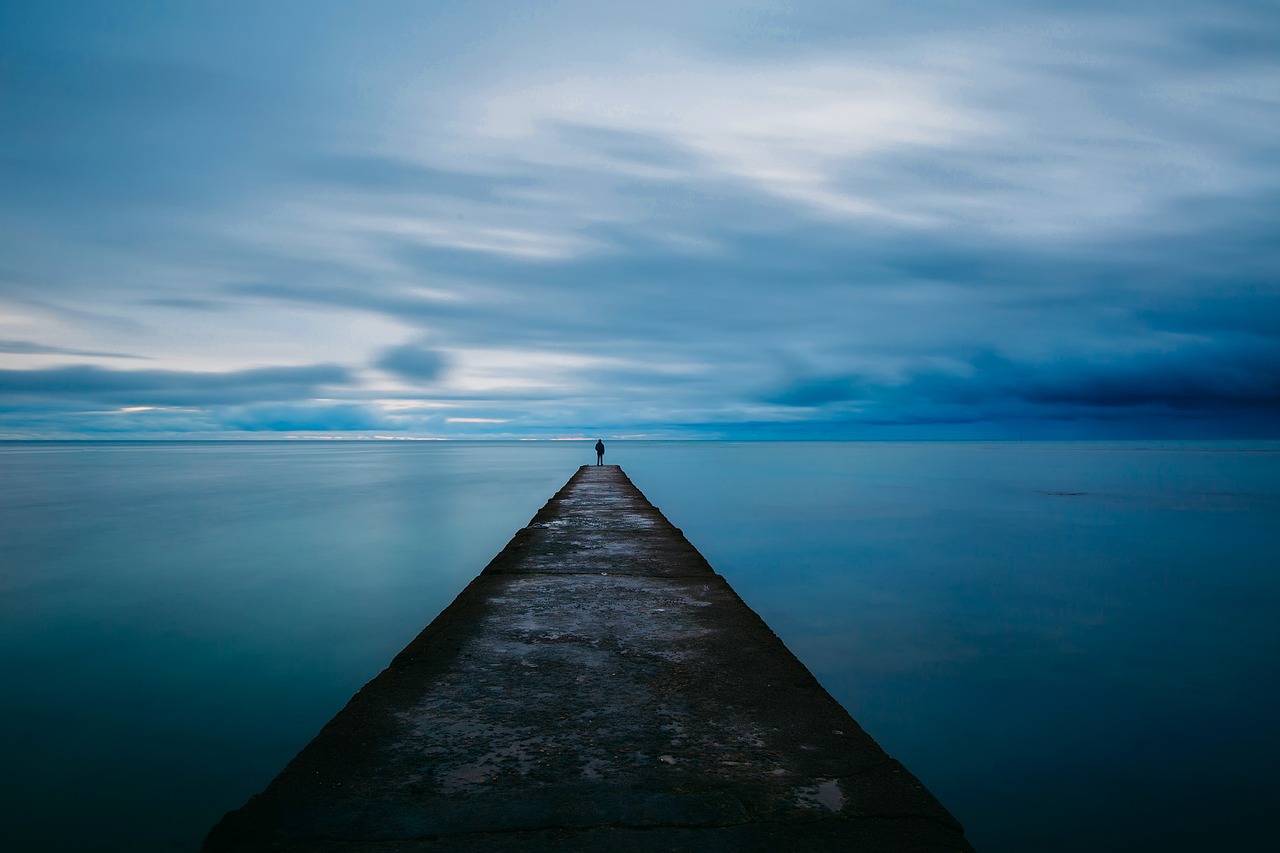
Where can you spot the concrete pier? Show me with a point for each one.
(597, 687)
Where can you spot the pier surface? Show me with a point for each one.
(597, 687)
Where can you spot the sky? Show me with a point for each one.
(667, 220)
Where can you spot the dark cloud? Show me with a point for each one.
(302, 418)
(412, 362)
(170, 387)
(818, 391)
(1185, 382)
(1191, 383)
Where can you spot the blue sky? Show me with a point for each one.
(541, 219)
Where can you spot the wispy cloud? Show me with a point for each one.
(739, 218)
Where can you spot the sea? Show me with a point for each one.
(1074, 645)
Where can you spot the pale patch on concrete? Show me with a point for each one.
(826, 795)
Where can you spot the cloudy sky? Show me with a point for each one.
(711, 219)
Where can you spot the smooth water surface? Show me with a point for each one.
(1073, 645)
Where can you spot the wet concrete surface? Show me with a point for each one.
(598, 686)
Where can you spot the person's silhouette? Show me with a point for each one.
(599, 452)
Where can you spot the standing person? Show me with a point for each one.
(599, 452)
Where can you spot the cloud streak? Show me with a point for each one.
(169, 387)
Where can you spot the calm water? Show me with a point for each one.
(1073, 645)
